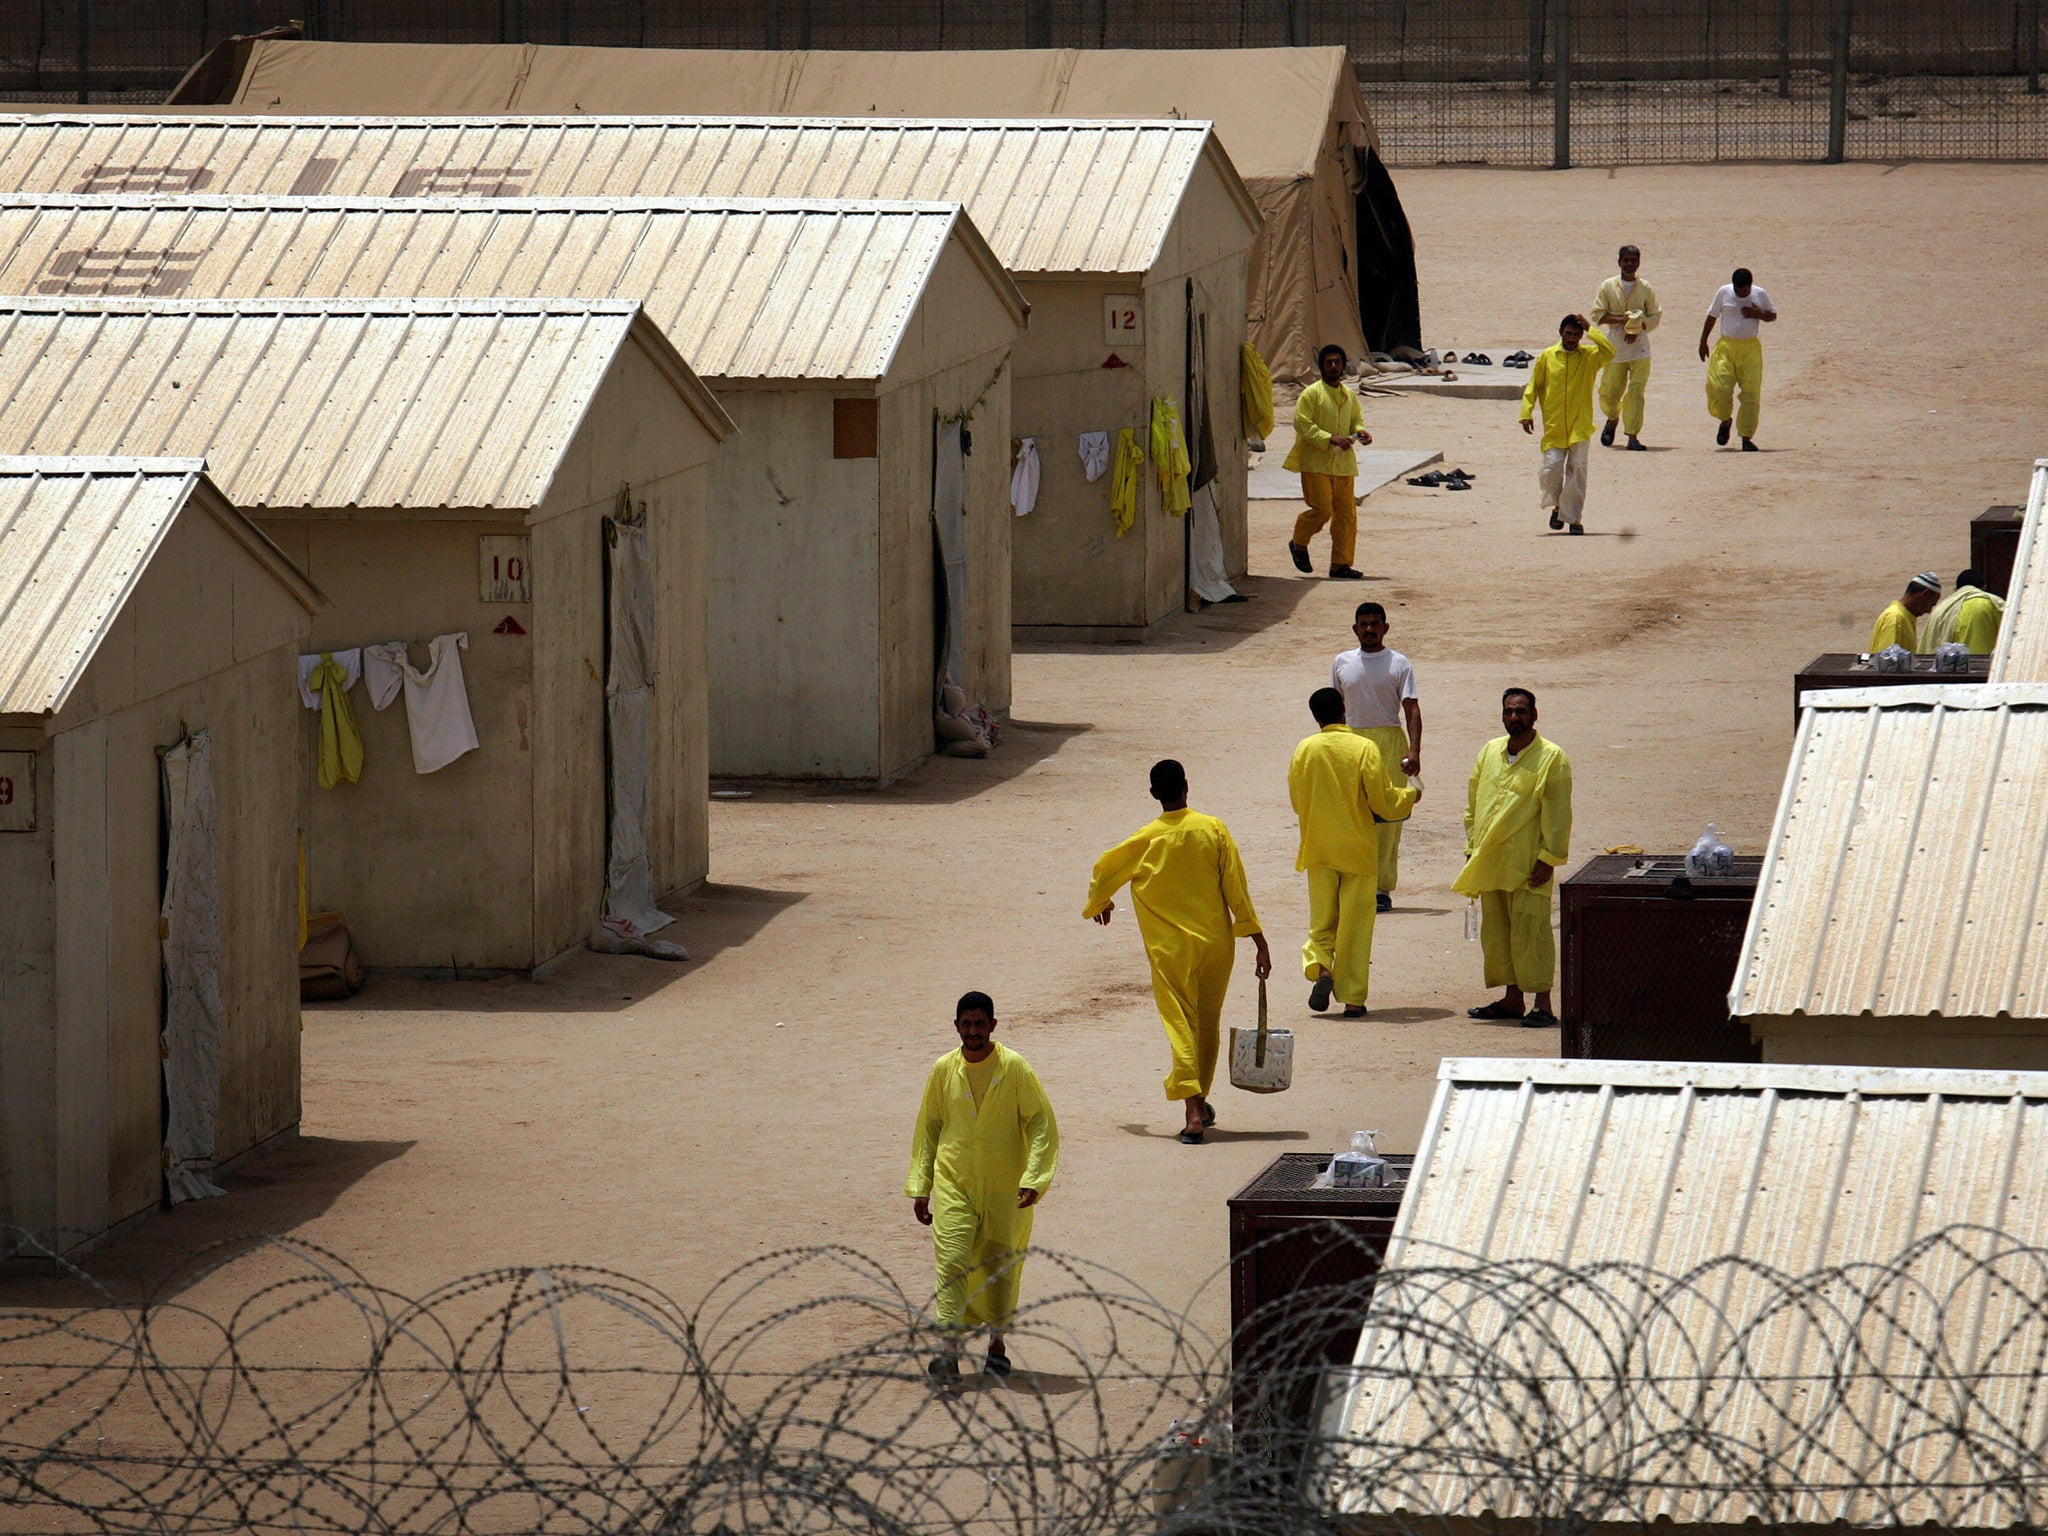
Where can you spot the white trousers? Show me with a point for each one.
(1562, 479)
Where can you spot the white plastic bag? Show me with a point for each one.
(1952, 656)
(1709, 856)
(1893, 658)
(1360, 1168)
(1262, 1059)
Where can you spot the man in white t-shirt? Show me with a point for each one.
(1380, 704)
(1742, 308)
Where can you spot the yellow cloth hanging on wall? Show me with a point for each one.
(341, 744)
(1170, 457)
(1255, 392)
(1123, 481)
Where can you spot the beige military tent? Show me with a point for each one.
(1147, 221)
(444, 468)
(838, 335)
(1336, 262)
(152, 792)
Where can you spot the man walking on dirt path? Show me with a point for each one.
(1518, 831)
(1187, 883)
(1627, 306)
(1328, 426)
(1737, 361)
(981, 1157)
(1561, 381)
(1345, 801)
(1378, 685)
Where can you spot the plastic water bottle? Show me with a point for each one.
(1361, 1167)
(1471, 920)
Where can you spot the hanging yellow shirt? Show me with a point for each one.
(1170, 457)
(1186, 879)
(1563, 382)
(1338, 783)
(1322, 412)
(1895, 626)
(1123, 482)
(1255, 392)
(1516, 815)
(341, 743)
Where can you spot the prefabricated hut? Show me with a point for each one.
(843, 336)
(1336, 261)
(1126, 238)
(152, 792)
(446, 467)
(1898, 915)
(1708, 1296)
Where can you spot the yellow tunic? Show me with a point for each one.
(1170, 457)
(1187, 884)
(1563, 383)
(1322, 412)
(1637, 309)
(1516, 815)
(1977, 624)
(971, 1161)
(1895, 626)
(1338, 782)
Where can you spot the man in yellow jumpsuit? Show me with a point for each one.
(1627, 306)
(1187, 883)
(1742, 308)
(1561, 381)
(1518, 830)
(1969, 615)
(981, 1157)
(1340, 787)
(1328, 424)
(1899, 624)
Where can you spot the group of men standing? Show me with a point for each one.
(1921, 620)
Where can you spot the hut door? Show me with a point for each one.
(629, 909)
(188, 929)
(949, 520)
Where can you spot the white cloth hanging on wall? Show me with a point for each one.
(629, 700)
(383, 672)
(437, 706)
(351, 667)
(1094, 455)
(1205, 548)
(1024, 478)
(189, 922)
(949, 516)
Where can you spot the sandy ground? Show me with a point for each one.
(675, 1121)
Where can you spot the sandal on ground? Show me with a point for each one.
(996, 1364)
(1539, 1018)
(1346, 573)
(1721, 434)
(1494, 1010)
(1383, 901)
(1457, 483)
(1556, 521)
(1635, 445)
(1191, 1138)
(944, 1369)
(1237, 597)
(1431, 477)
(1319, 994)
(1208, 1114)
(1575, 528)
(1750, 447)
(1299, 554)
(1354, 1010)
(1480, 358)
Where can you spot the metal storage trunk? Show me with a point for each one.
(1848, 669)
(1287, 1243)
(1994, 541)
(1647, 962)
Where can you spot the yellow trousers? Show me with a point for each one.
(1737, 363)
(1515, 939)
(1190, 998)
(1621, 392)
(1331, 500)
(1340, 914)
(1392, 740)
(978, 1278)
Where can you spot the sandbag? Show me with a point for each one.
(329, 967)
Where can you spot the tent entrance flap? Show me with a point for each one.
(189, 929)
(1389, 307)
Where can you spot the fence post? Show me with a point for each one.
(1535, 46)
(2033, 47)
(1297, 23)
(1838, 87)
(1785, 48)
(1561, 92)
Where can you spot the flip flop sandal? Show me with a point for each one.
(1354, 1013)
(945, 1370)
(1237, 597)
(1429, 477)
(1457, 485)
(1750, 447)
(1494, 1010)
(1636, 447)
(1319, 994)
(1298, 553)
(1576, 528)
(1556, 521)
(1465, 474)
(1451, 357)
(1539, 1018)
(1478, 357)
(1191, 1138)
(997, 1365)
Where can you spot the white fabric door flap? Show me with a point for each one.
(629, 703)
(949, 516)
(189, 928)
(1205, 548)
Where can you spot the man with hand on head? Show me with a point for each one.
(1742, 308)
(1899, 624)
(981, 1157)
(1328, 427)
(1378, 685)
(1627, 306)
(1346, 802)
(1518, 830)
(1187, 883)
(1561, 381)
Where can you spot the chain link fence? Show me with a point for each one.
(1495, 82)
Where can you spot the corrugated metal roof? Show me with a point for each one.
(1689, 1393)
(1049, 195)
(315, 403)
(1907, 874)
(2022, 652)
(75, 537)
(743, 288)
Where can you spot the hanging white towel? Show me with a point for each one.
(351, 666)
(1094, 454)
(437, 706)
(1205, 548)
(383, 672)
(1024, 478)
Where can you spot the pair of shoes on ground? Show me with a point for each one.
(1319, 998)
(1518, 360)
(1298, 553)
(1721, 437)
(1557, 522)
(945, 1368)
(1535, 1018)
(1479, 358)
(1346, 573)
(1448, 479)
(1635, 444)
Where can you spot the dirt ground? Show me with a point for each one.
(673, 1121)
